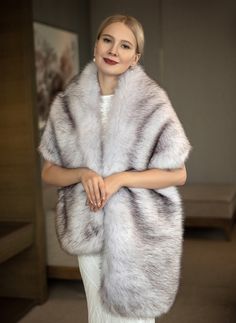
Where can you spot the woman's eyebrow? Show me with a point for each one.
(123, 40)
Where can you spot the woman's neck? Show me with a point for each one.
(107, 83)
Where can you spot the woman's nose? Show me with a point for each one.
(113, 50)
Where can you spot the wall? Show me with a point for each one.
(70, 15)
(191, 51)
(22, 274)
(200, 74)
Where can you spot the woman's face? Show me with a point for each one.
(115, 50)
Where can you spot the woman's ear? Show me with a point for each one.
(136, 59)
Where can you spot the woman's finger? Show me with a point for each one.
(91, 192)
(97, 193)
(102, 190)
(89, 197)
(92, 207)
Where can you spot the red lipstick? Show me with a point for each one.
(110, 61)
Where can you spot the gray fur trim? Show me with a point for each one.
(139, 231)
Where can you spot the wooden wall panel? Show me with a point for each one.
(23, 275)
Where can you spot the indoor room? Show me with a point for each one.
(185, 265)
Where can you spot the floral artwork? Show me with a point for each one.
(57, 62)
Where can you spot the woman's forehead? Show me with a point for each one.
(119, 31)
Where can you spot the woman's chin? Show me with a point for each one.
(111, 70)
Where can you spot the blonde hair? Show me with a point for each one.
(131, 22)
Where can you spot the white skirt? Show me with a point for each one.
(90, 269)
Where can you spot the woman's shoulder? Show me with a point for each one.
(145, 86)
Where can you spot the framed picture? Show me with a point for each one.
(56, 61)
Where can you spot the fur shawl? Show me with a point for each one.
(139, 231)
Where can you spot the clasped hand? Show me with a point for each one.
(99, 189)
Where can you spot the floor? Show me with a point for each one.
(207, 291)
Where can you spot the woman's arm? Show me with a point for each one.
(92, 182)
(153, 178)
(59, 176)
(99, 190)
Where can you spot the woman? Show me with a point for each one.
(116, 149)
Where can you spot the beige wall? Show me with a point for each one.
(191, 51)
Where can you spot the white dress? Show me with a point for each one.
(90, 267)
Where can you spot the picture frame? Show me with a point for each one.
(56, 63)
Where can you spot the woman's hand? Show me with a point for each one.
(112, 185)
(94, 186)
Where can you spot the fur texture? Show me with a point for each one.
(139, 231)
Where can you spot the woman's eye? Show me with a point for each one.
(106, 40)
(125, 46)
